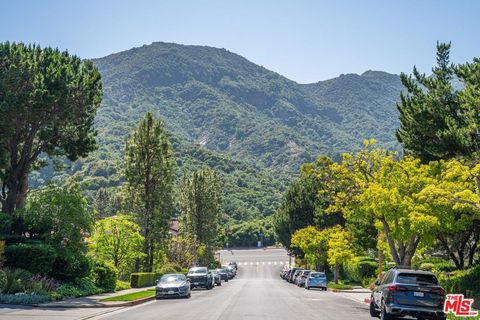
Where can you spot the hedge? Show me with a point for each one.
(38, 258)
(462, 280)
(144, 279)
(361, 268)
(105, 275)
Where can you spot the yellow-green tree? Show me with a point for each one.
(453, 197)
(386, 190)
(340, 248)
(118, 240)
(313, 243)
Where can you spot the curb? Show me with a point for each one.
(88, 306)
(349, 291)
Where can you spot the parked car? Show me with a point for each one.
(172, 285)
(296, 275)
(406, 292)
(232, 270)
(291, 273)
(316, 280)
(223, 274)
(217, 279)
(200, 277)
(229, 272)
(302, 277)
(234, 264)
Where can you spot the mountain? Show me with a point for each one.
(253, 125)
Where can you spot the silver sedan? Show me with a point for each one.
(173, 285)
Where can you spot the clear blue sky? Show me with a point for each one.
(306, 41)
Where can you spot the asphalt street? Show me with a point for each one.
(256, 293)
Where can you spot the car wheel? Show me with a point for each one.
(306, 287)
(220, 283)
(384, 315)
(373, 310)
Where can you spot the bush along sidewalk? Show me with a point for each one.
(18, 286)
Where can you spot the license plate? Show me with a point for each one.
(170, 292)
(196, 283)
(418, 294)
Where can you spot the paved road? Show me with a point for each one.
(256, 293)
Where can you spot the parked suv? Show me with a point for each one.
(200, 277)
(406, 292)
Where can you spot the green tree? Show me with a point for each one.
(298, 208)
(201, 207)
(150, 172)
(60, 216)
(117, 240)
(432, 116)
(184, 250)
(48, 101)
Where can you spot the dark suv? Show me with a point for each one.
(407, 292)
(200, 277)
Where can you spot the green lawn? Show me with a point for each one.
(132, 296)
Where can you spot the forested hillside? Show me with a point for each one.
(251, 124)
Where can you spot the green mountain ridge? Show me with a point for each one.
(252, 124)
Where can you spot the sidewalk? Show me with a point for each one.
(94, 301)
(359, 295)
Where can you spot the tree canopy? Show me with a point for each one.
(48, 101)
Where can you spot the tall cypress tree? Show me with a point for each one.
(433, 118)
(201, 206)
(150, 173)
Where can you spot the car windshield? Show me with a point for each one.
(317, 275)
(414, 278)
(172, 278)
(198, 270)
(222, 270)
(306, 273)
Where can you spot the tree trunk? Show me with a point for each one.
(336, 272)
(22, 192)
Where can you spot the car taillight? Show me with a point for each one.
(396, 288)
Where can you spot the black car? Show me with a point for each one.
(200, 277)
(406, 292)
(223, 274)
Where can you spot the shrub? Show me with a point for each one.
(339, 286)
(71, 267)
(462, 280)
(36, 258)
(2, 252)
(105, 275)
(42, 284)
(24, 298)
(169, 269)
(361, 268)
(83, 287)
(3, 280)
(427, 266)
(143, 279)
(122, 285)
(17, 280)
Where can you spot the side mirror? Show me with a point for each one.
(189, 280)
(377, 283)
(157, 281)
